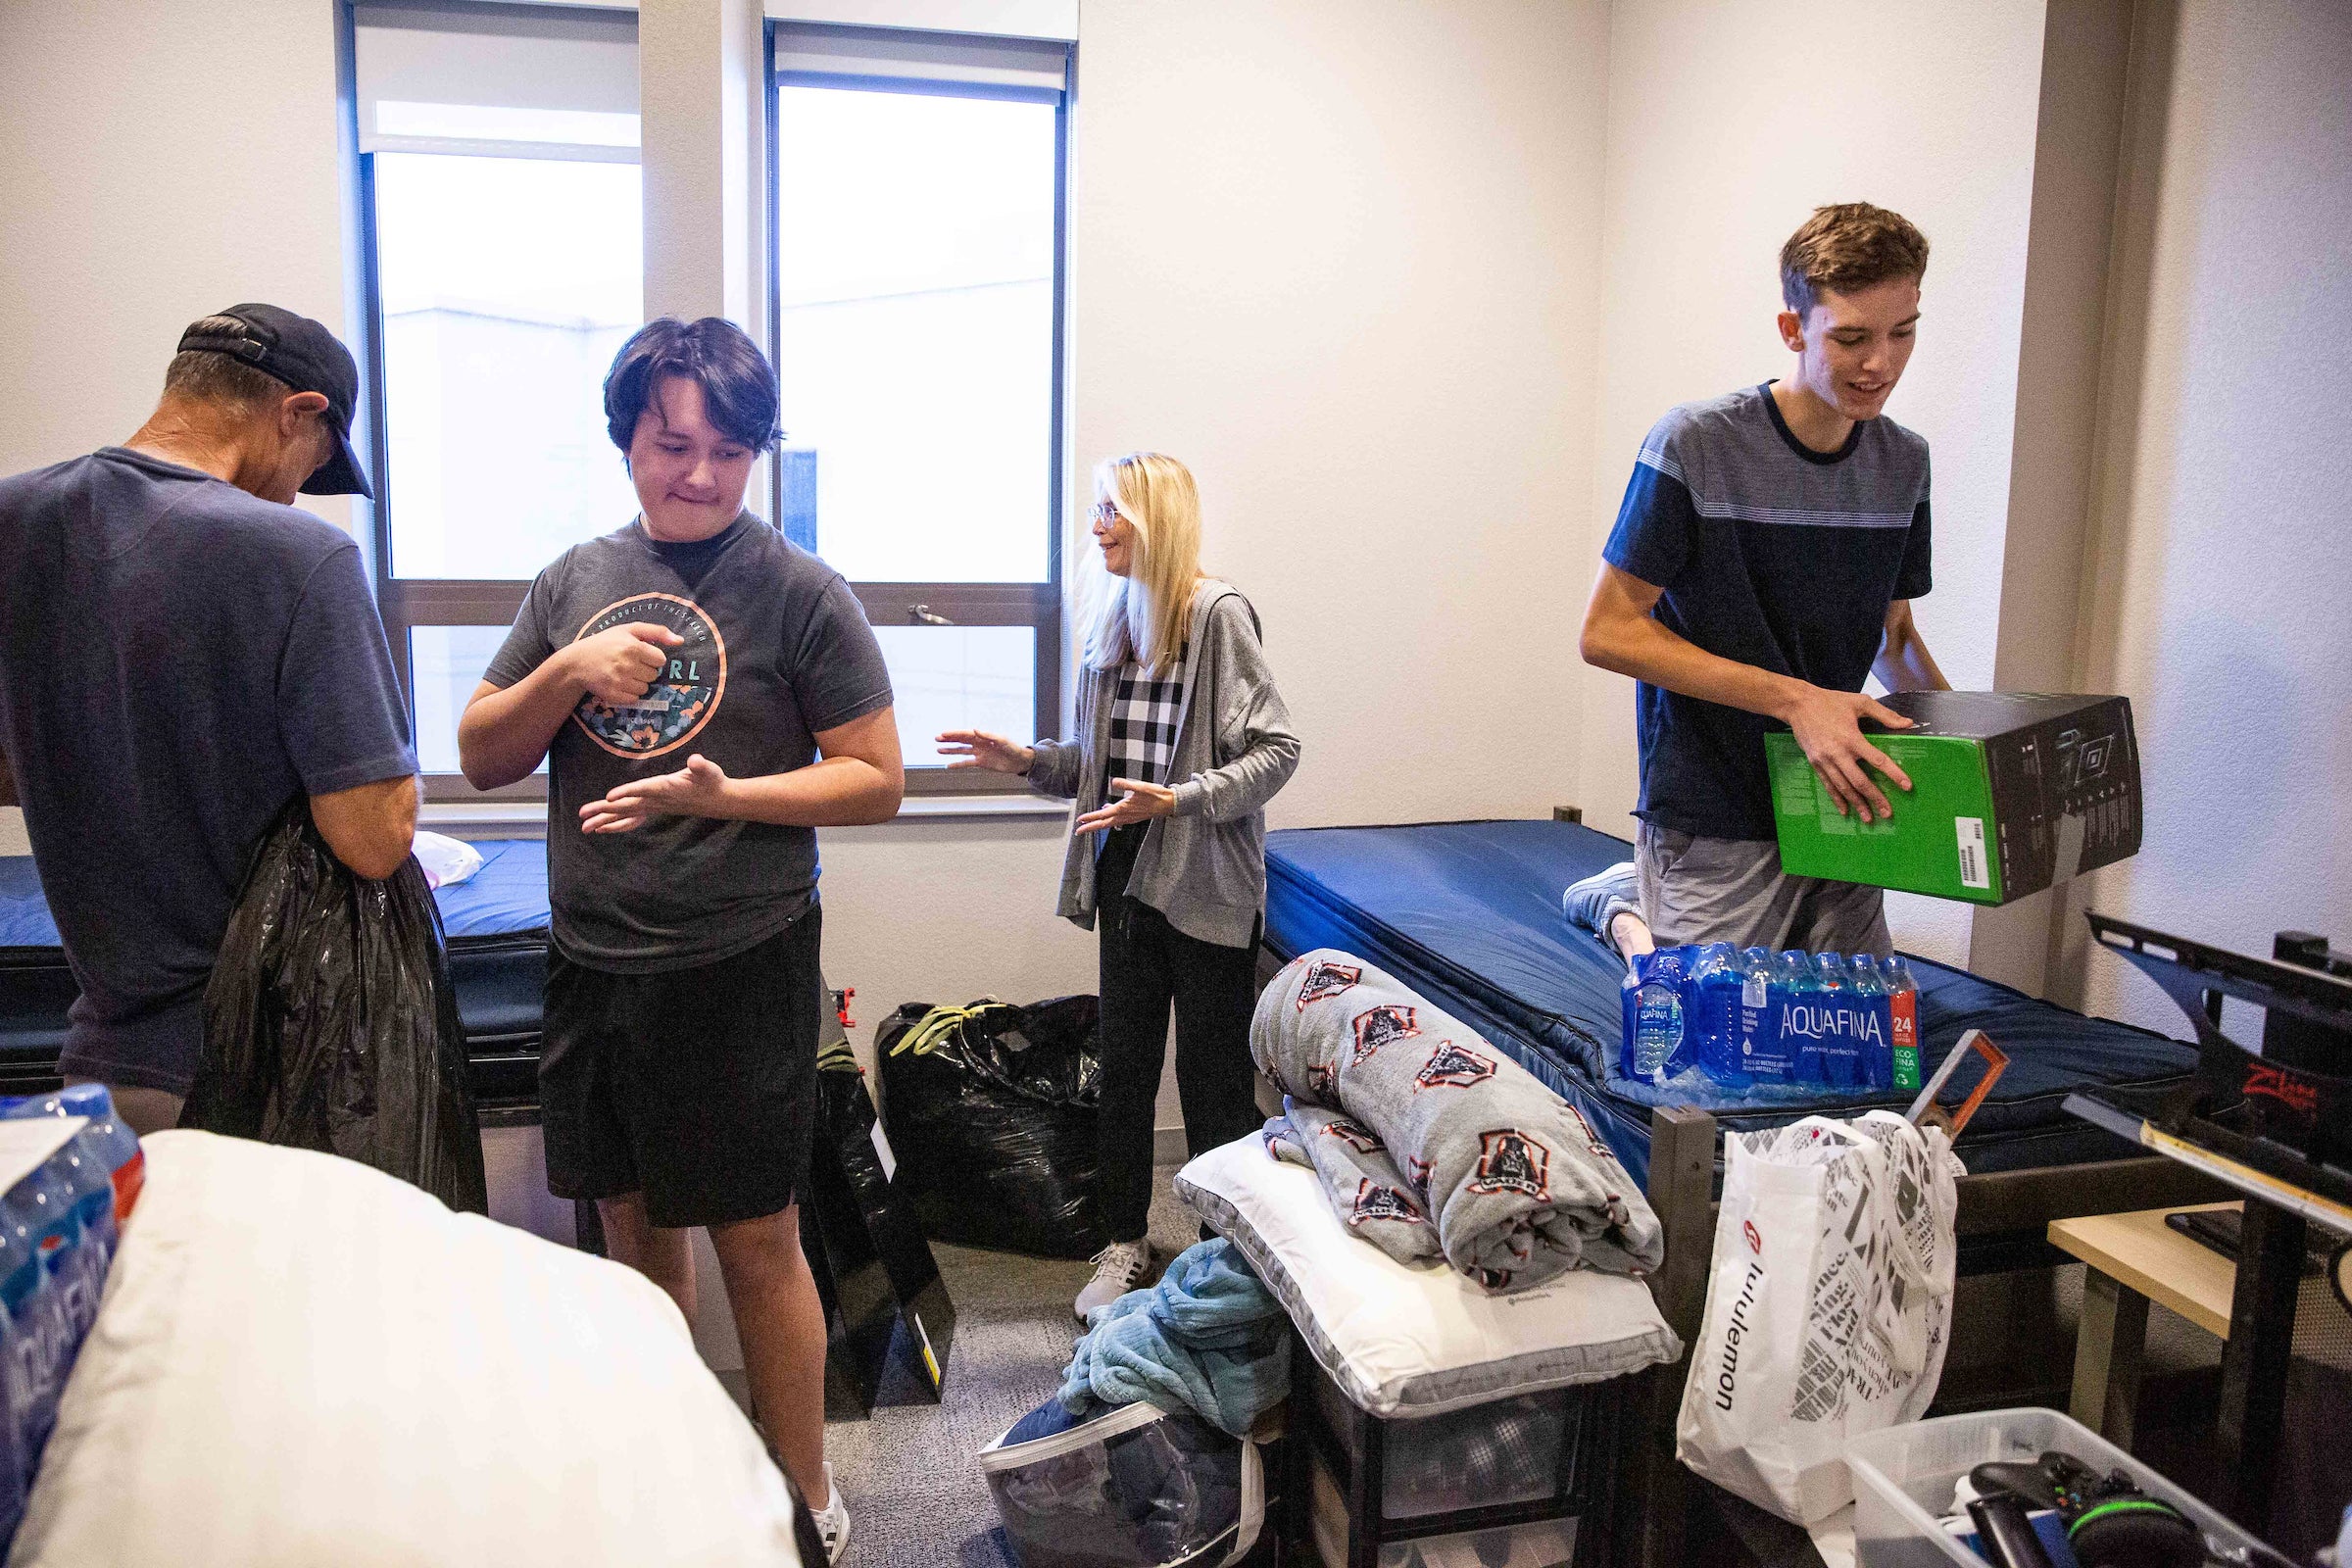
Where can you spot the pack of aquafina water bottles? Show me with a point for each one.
(1750, 1018)
(59, 1226)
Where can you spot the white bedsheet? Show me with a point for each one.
(303, 1362)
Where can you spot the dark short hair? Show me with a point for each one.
(1848, 247)
(199, 375)
(739, 389)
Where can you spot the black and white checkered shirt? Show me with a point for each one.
(1142, 724)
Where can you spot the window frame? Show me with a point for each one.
(1034, 605)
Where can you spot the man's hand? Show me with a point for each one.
(1827, 727)
(698, 789)
(977, 748)
(1137, 802)
(620, 665)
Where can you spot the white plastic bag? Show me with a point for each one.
(1829, 1308)
(447, 862)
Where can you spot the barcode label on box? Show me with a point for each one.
(1973, 871)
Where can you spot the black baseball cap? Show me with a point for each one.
(307, 357)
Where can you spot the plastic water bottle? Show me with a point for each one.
(1835, 1024)
(117, 1147)
(1902, 1023)
(16, 1474)
(1795, 987)
(1869, 991)
(1658, 1016)
(86, 1167)
(1715, 981)
(43, 1209)
(43, 1338)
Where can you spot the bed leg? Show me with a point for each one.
(1682, 1183)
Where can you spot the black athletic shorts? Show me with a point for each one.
(695, 1087)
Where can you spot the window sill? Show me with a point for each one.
(513, 819)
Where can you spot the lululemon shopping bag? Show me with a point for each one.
(1829, 1305)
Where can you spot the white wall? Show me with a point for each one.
(151, 175)
(2220, 577)
(1727, 126)
(145, 181)
(1340, 257)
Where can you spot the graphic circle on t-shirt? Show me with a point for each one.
(681, 702)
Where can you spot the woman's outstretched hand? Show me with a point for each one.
(1135, 802)
(977, 748)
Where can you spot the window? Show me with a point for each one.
(917, 293)
(915, 194)
(505, 252)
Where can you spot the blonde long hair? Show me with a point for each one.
(1143, 615)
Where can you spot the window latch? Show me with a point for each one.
(923, 615)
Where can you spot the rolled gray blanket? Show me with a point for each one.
(1370, 1192)
(1517, 1186)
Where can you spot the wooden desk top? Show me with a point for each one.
(2144, 1253)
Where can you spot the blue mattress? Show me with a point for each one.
(1469, 914)
(496, 924)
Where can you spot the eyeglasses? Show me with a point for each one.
(1106, 513)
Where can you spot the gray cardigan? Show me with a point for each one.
(1204, 868)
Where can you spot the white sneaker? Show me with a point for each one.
(833, 1520)
(1119, 1268)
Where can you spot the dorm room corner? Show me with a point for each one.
(1093, 784)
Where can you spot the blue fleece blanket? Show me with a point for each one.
(1208, 1338)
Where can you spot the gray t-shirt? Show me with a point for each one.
(777, 648)
(177, 660)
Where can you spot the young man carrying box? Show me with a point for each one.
(1763, 565)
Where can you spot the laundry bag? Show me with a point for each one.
(1135, 1487)
(1829, 1308)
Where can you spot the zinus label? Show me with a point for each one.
(1975, 871)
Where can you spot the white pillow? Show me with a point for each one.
(301, 1361)
(1417, 1340)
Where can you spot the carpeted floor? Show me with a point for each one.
(910, 1472)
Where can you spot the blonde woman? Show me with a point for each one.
(1182, 739)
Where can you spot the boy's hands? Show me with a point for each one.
(696, 790)
(620, 665)
(1828, 729)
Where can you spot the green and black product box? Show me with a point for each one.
(2010, 793)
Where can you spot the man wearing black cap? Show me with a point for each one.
(182, 652)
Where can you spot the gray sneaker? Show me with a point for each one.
(1120, 1268)
(1601, 898)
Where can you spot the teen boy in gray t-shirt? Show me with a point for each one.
(1763, 565)
(707, 696)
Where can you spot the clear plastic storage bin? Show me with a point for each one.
(1504, 1451)
(1903, 1480)
(1545, 1544)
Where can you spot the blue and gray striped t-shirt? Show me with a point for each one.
(1769, 554)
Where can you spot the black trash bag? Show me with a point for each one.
(991, 1108)
(330, 1022)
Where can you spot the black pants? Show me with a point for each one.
(1147, 966)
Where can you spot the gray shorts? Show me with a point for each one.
(1734, 890)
